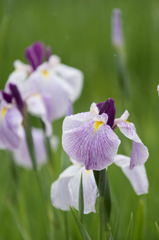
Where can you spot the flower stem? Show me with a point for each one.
(104, 205)
(29, 139)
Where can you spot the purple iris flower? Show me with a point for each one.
(11, 130)
(14, 96)
(89, 137)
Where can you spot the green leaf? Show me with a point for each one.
(139, 226)
(17, 221)
(80, 226)
(129, 233)
(104, 192)
(157, 228)
(81, 201)
(104, 204)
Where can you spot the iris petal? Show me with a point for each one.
(139, 153)
(95, 150)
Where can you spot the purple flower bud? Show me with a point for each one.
(108, 107)
(48, 52)
(7, 97)
(117, 32)
(35, 54)
(17, 96)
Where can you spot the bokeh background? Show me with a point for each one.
(79, 31)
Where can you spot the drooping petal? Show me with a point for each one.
(53, 90)
(73, 77)
(137, 176)
(65, 191)
(139, 153)
(60, 193)
(93, 144)
(36, 105)
(89, 190)
(21, 154)
(11, 130)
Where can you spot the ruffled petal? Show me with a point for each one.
(77, 120)
(95, 149)
(137, 176)
(139, 153)
(73, 77)
(53, 90)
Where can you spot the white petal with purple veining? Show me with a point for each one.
(95, 149)
(137, 176)
(139, 153)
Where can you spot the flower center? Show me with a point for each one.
(97, 124)
(3, 112)
(45, 74)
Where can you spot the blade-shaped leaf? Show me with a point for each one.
(81, 228)
(139, 226)
(81, 201)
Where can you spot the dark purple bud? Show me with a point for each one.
(108, 107)
(7, 97)
(17, 96)
(48, 52)
(39, 51)
(35, 54)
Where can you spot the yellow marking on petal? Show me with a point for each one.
(3, 112)
(45, 73)
(36, 95)
(88, 171)
(97, 125)
(127, 121)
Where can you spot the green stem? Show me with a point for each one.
(104, 205)
(44, 209)
(66, 226)
(29, 139)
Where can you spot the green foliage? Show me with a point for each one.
(80, 32)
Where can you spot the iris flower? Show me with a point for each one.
(12, 114)
(89, 137)
(48, 78)
(65, 190)
(56, 83)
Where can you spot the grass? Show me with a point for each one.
(80, 33)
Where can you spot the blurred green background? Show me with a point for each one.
(79, 31)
